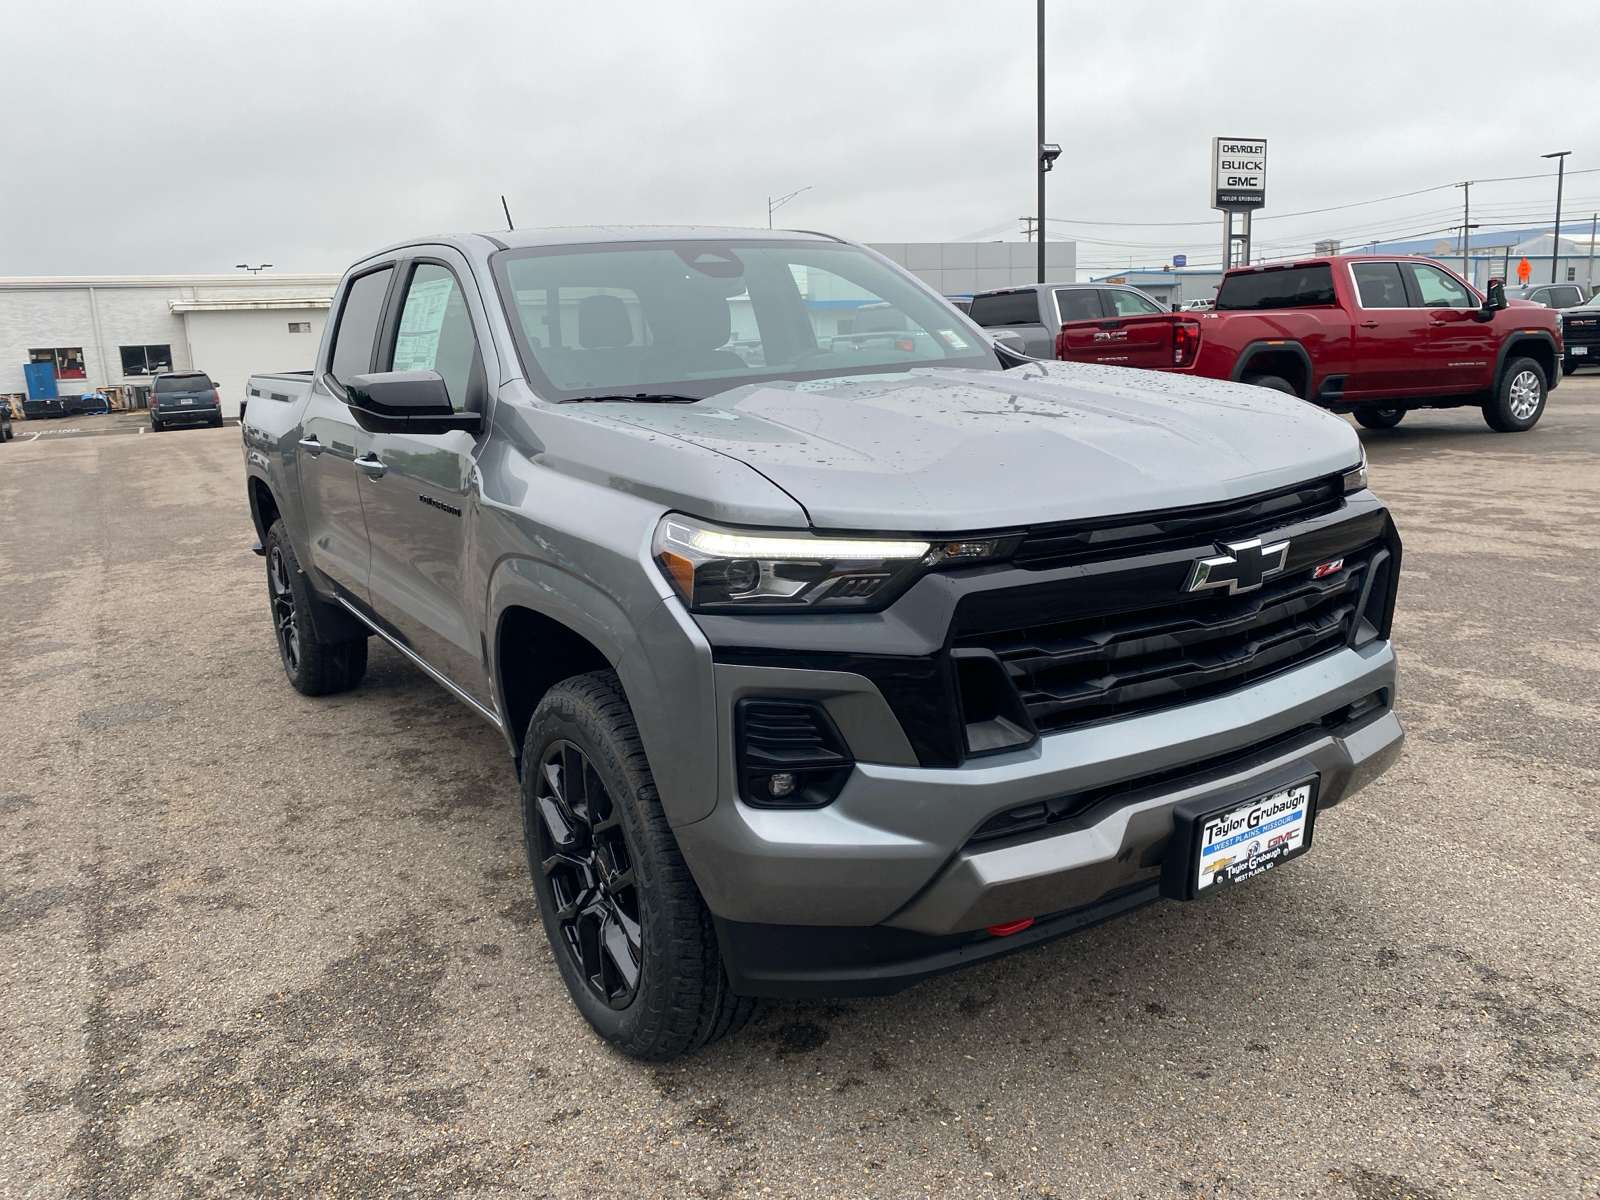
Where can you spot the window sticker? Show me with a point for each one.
(417, 346)
(953, 339)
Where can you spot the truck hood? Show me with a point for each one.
(943, 451)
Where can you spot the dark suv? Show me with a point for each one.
(184, 397)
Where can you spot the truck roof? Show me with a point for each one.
(582, 235)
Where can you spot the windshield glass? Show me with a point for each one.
(183, 383)
(698, 318)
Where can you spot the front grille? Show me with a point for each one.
(1078, 670)
(1581, 331)
(1138, 533)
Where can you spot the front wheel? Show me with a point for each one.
(314, 668)
(630, 933)
(1519, 398)
(1380, 416)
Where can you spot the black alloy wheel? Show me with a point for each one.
(584, 858)
(285, 621)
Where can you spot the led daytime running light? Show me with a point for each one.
(718, 544)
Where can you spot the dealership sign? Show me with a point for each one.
(1238, 173)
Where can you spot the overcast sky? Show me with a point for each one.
(168, 137)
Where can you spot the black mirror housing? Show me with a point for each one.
(406, 402)
(1494, 299)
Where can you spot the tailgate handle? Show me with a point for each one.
(311, 445)
(372, 465)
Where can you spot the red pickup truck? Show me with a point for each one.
(1372, 336)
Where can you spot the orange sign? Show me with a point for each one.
(1524, 270)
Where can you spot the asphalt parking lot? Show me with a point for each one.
(264, 945)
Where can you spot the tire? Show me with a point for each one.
(1519, 398)
(215, 422)
(1380, 416)
(314, 668)
(156, 426)
(1276, 382)
(627, 926)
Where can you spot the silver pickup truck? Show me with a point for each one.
(829, 663)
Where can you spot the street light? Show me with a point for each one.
(1561, 177)
(1048, 151)
(774, 205)
(252, 270)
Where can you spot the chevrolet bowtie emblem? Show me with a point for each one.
(1244, 567)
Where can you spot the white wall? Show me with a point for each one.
(232, 346)
(962, 268)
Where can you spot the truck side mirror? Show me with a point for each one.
(406, 402)
(1494, 300)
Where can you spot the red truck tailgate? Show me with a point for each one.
(1144, 341)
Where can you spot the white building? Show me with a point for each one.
(963, 268)
(111, 333)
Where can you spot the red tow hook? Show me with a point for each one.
(1009, 927)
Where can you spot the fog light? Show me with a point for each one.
(781, 784)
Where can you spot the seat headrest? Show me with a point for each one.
(603, 323)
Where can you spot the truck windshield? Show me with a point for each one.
(697, 318)
(1290, 287)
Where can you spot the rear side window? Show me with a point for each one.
(1006, 308)
(1567, 297)
(184, 383)
(1378, 285)
(1079, 304)
(358, 325)
(1291, 287)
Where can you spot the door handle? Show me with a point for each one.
(310, 445)
(372, 465)
(1369, 324)
(1436, 323)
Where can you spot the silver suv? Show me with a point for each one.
(837, 647)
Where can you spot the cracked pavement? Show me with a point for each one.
(256, 944)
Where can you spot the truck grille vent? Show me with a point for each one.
(1081, 541)
(1076, 671)
(790, 754)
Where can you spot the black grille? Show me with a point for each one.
(1079, 670)
(1055, 545)
(1581, 330)
(790, 754)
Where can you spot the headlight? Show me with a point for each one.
(1356, 480)
(715, 568)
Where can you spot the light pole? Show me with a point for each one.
(1561, 177)
(1048, 151)
(774, 205)
(252, 270)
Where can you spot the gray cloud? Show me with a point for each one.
(183, 137)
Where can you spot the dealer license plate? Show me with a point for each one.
(1243, 842)
(1577, 349)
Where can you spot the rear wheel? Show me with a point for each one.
(314, 668)
(156, 426)
(630, 933)
(216, 422)
(1276, 382)
(1519, 398)
(1380, 416)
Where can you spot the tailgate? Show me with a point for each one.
(1143, 341)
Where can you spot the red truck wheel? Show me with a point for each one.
(1380, 416)
(1276, 382)
(1519, 399)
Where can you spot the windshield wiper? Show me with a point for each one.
(641, 397)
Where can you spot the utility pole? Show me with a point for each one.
(1466, 224)
(1590, 284)
(1561, 177)
(1043, 164)
(1027, 226)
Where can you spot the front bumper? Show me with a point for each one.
(892, 851)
